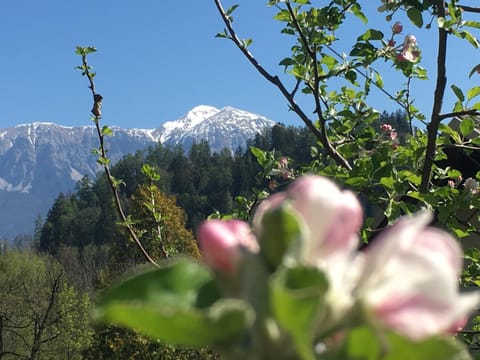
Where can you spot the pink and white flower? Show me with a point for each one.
(409, 280)
(410, 51)
(330, 218)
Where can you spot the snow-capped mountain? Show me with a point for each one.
(224, 128)
(40, 160)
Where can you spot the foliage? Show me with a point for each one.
(41, 316)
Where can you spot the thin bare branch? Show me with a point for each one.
(103, 154)
(339, 159)
(469, 8)
(459, 113)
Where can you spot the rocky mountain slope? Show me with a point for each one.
(40, 160)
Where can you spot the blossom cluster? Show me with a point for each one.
(406, 280)
(410, 50)
(391, 133)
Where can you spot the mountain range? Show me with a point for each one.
(40, 160)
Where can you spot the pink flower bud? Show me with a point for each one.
(391, 43)
(393, 134)
(397, 28)
(222, 242)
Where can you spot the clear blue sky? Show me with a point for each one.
(158, 59)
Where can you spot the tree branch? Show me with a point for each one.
(339, 159)
(97, 98)
(432, 127)
(469, 8)
(459, 113)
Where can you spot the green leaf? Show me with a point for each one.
(415, 16)
(83, 51)
(259, 154)
(473, 92)
(446, 129)
(474, 70)
(356, 181)
(378, 80)
(357, 11)
(371, 34)
(467, 126)
(469, 37)
(283, 15)
(106, 131)
(297, 296)
(231, 9)
(287, 62)
(223, 34)
(330, 61)
(247, 42)
(388, 182)
(363, 343)
(281, 232)
(458, 92)
(470, 23)
(459, 233)
(177, 304)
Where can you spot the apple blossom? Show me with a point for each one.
(222, 242)
(410, 51)
(409, 280)
(330, 218)
(386, 127)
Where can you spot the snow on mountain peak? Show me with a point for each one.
(201, 112)
(194, 117)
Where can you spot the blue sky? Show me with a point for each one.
(158, 59)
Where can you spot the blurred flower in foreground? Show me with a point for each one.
(410, 280)
(406, 281)
(222, 243)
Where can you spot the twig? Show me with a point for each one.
(96, 111)
(469, 8)
(458, 113)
